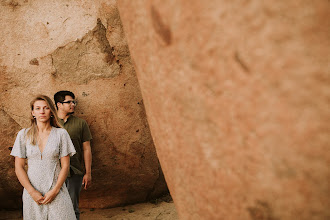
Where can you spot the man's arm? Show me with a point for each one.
(87, 180)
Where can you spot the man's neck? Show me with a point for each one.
(63, 115)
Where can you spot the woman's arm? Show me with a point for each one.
(24, 180)
(50, 196)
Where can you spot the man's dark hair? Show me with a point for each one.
(60, 96)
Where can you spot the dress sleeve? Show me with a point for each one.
(19, 148)
(66, 147)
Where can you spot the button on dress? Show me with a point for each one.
(43, 170)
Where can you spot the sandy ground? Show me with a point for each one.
(149, 211)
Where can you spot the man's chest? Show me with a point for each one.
(74, 130)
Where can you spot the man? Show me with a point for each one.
(80, 135)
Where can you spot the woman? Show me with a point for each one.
(47, 148)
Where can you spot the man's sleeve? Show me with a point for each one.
(86, 133)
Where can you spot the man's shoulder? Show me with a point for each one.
(77, 122)
(77, 119)
(78, 127)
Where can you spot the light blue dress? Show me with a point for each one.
(43, 171)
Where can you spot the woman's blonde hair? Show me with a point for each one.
(32, 133)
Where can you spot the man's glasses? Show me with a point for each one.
(70, 102)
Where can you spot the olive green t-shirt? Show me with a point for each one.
(79, 132)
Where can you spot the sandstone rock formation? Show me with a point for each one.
(237, 99)
(80, 46)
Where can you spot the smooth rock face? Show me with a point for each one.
(237, 98)
(78, 46)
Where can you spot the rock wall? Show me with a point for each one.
(78, 46)
(237, 99)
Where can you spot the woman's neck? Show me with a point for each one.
(44, 126)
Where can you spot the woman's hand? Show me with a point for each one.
(49, 196)
(37, 197)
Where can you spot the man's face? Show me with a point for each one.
(67, 105)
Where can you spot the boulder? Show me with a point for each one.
(237, 99)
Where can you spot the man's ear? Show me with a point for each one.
(58, 105)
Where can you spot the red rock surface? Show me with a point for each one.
(79, 46)
(237, 99)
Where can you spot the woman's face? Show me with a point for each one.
(41, 111)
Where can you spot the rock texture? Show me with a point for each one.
(237, 99)
(79, 46)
